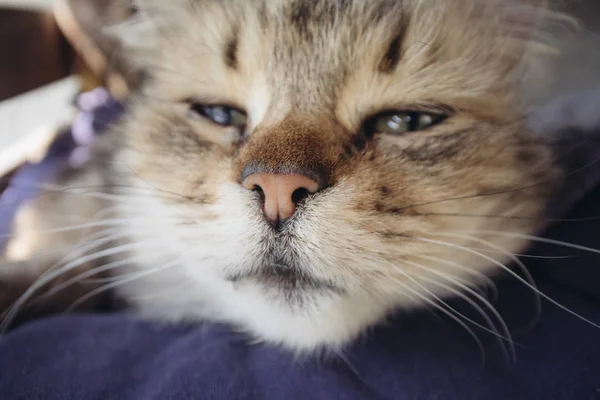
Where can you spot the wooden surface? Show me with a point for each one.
(28, 4)
(32, 50)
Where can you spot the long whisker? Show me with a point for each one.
(89, 243)
(127, 191)
(131, 278)
(467, 197)
(91, 195)
(545, 257)
(112, 278)
(499, 192)
(515, 235)
(69, 228)
(516, 276)
(55, 273)
(51, 273)
(507, 217)
(443, 308)
(516, 261)
(489, 283)
(520, 255)
(506, 332)
(84, 275)
(492, 327)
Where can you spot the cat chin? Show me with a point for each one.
(307, 321)
(322, 321)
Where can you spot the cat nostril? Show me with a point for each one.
(299, 195)
(260, 192)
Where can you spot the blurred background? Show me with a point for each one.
(50, 50)
(35, 87)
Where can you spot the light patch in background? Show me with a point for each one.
(28, 4)
(28, 121)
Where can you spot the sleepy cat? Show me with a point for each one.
(300, 169)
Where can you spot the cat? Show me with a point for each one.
(299, 169)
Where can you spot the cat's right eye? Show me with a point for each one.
(401, 122)
(221, 115)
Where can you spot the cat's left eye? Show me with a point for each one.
(221, 115)
(398, 122)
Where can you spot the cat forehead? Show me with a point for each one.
(329, 33)
(312, 17)
(315, 52)
(314, 23)
(292, 43)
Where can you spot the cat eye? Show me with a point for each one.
(398, 123)
(221, 115)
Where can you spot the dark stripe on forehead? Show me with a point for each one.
(231, 50)
(391, 58)
(396, 46)
(307, 15)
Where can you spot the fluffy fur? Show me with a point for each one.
(400, 219)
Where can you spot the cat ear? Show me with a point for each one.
(536, 35)
(539, 23)
(146, 25)
(524, 18)
(139, 30)
(84, 23)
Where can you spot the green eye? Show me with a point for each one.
(221, 115)
(398, 123)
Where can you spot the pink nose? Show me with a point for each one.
(281, 193)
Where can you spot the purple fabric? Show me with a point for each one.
(572, 124)
(415, 356)
(97, 111)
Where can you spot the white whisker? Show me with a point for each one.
(489, 283)
(55, 273)
(491, 251)
(443, 308)
(514, 259)
(492, 327)
(127, 193)
(516, 276)
(69, 228)
(540, 240)
(109, 191)
(506, 332)
(84, 245)
(84, 275)
(130, 278)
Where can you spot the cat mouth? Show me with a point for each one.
(286, 278)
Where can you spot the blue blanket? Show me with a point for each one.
(415, 356)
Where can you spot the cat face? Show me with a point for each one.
(309, 167)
